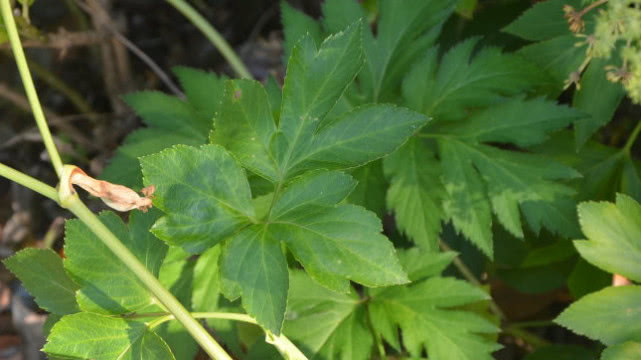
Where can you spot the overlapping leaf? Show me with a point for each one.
(404, 31)
(169, 121)
(476, 103)
(99, 337)
(340, 321)
(204, 193)
(42, 273)
(112, 288)
(614, 245)
(306, 137)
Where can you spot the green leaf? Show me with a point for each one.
(466, 205)
(598, 97)
(253, 265)
(614, 236)
(544, 20)
(447, 89)
(124, 167)
(41, 272)
(170, 121)
(87, 335)
(244, 126)
(203, 90)
(416, 193)
(337, 244)
(370, 190)
(628, 350)
(358, 137)
(404, 32)
(98, 290)
(207, 281)
(339, 330)
(558, 216)
(557, 57)
(323, 188)
(612, 315)
(315, 80)
(422, 312)
(338, 14)
(630, 178)
(297, 25)
(203, 192)
(420, 264)
(518, 121)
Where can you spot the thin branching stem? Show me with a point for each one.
(213, 35)
(29, 182)
(633, 137)
(30, 89)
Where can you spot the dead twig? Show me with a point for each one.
(64, 40)
(166, 79)
(54, 119)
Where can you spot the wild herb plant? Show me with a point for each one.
(268, 201)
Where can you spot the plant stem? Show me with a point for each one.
(281, 342)
(528, 337)
(194, 328)
(210, 32)
(469, 276)
(633, 136)
(29, 182)
(30, 89)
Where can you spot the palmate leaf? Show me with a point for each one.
(614, 244)
(99, 337)
(330, 325)
(334, 243)
(306, 138)
(447, 89)
(476, 102)
(614, 233)
(170, 121)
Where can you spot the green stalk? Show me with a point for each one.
(628, 144)
(281, 342)
(27, 81)
(29, 182)
(214, 36)
(197, 331)
(68, 199)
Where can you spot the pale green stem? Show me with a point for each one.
(29, 182)
(469, 276)
(197, 331)
(210, 32)
(281, 342)
(30, 89)
(628, 144)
